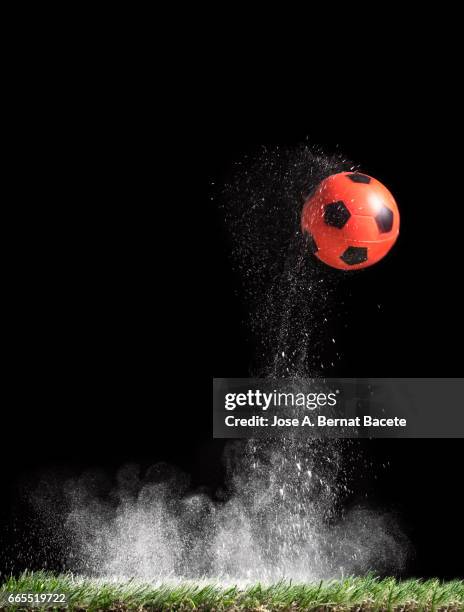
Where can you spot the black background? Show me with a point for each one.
(120, 307)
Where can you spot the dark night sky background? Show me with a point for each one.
(123, 300)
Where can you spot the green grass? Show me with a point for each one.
(362, 594)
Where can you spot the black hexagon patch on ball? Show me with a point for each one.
(311, 244)
(360, 178)
(354, 255)
(336, 214)
(384, 220)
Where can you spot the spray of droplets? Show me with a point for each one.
(288, 293)
(281, 518)
(282, 515)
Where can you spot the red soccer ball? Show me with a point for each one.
(351, 221)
